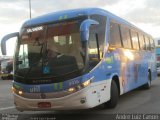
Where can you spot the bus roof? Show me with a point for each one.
(67, 14)
(56, 16)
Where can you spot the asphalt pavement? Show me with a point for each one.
(136, 102)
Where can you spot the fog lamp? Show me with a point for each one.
(71, 89)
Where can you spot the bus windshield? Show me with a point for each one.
(53, 52)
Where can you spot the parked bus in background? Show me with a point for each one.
(6, 71)
(79, 59)
(158, 59)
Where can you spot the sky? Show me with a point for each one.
(144, 14)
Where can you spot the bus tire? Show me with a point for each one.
(112, 103)
(148, 84)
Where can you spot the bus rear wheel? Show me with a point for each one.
(112, 103)
(148, 84)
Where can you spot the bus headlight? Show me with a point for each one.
(20, 92)
(86, 83)
(80, 86)
(14, 90)
(71, 89)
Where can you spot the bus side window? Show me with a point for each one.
(93, 51)
(147, 43)
(125, 33)
(115, 39)
(135, 42)
(152, 44)
(142, 43)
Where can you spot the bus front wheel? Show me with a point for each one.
(114, 96)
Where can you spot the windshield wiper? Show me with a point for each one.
(37, 62)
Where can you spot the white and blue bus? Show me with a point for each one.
(79, 59)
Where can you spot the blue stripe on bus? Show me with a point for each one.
(54, 87)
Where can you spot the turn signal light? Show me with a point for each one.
(13, 90)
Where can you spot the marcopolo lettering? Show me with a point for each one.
(29, 30)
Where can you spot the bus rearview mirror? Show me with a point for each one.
(4, 40)
(84, 28)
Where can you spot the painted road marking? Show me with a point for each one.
(6, 108)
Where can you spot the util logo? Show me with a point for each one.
(34, 89)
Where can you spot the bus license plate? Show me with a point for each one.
(44, 105)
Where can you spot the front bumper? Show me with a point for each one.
(69, 102)
(95, 94)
